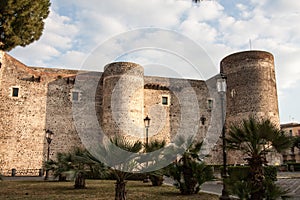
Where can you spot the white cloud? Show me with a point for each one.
(58, 37)
(75, 28)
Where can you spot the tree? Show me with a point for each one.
(190, 172)
(156, 176)
(76, 163)
(255, 138)
(296, 142)
(21, 22)
(120, 171)
(122, 163)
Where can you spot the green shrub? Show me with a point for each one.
(189, 172)
(242, 172)
(270, 173)
(238, 182)
(296, 166)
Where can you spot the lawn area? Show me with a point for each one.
(96, 189)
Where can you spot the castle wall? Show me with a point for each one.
(43, 102)
(171, 120)
(59, 116)
(22, 118)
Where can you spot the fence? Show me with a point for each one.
(22, 172)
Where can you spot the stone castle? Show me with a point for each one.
(66, 102)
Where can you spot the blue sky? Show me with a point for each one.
(76, 28)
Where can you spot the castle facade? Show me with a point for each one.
(75, 105)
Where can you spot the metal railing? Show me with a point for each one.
(21, 172)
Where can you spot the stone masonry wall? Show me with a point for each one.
(59, 116)
(123, 99)
(22, 118)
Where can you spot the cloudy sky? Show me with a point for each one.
(123, 29)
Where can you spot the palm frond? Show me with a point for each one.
(254, 136)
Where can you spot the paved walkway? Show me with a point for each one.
(287, 180)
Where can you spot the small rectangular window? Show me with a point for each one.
(15, 92)
(75, 96)
(299, 132)
(164, 101)
(210, 104)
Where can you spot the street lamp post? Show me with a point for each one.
(147, 124)
(49, 137)
(221, 87)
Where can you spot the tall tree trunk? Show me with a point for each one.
(257, 178)
(120, 190)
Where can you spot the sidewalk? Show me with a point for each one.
(291, 175)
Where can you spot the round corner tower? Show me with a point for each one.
(123, 99)
(251, 86)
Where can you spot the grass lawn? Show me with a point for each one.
(96, 189)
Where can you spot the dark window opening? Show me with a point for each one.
(210, 104)
(75, 96)
(15, 92)
(164, 100)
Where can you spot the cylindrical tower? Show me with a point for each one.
(123, 100)
(251, 86)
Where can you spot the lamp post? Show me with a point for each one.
(147, 124)
(221, 87)
(49, 137)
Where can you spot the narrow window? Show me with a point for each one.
(210, 104)
(298, 132)
(75, 96)
(15, 92)
(164, 100)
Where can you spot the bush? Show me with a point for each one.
(189, 172)
(242, 172)
(238, 182)
(189, 178)
(293, 166)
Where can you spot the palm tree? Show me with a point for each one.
(120, 174)
(122, 162)
(156, 176)
(255, 138)
(77, 163)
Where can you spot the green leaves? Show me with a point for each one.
(189, 172)
(256, 137)
(21, 22)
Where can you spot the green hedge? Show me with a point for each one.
(295, 165)
(242, 172)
